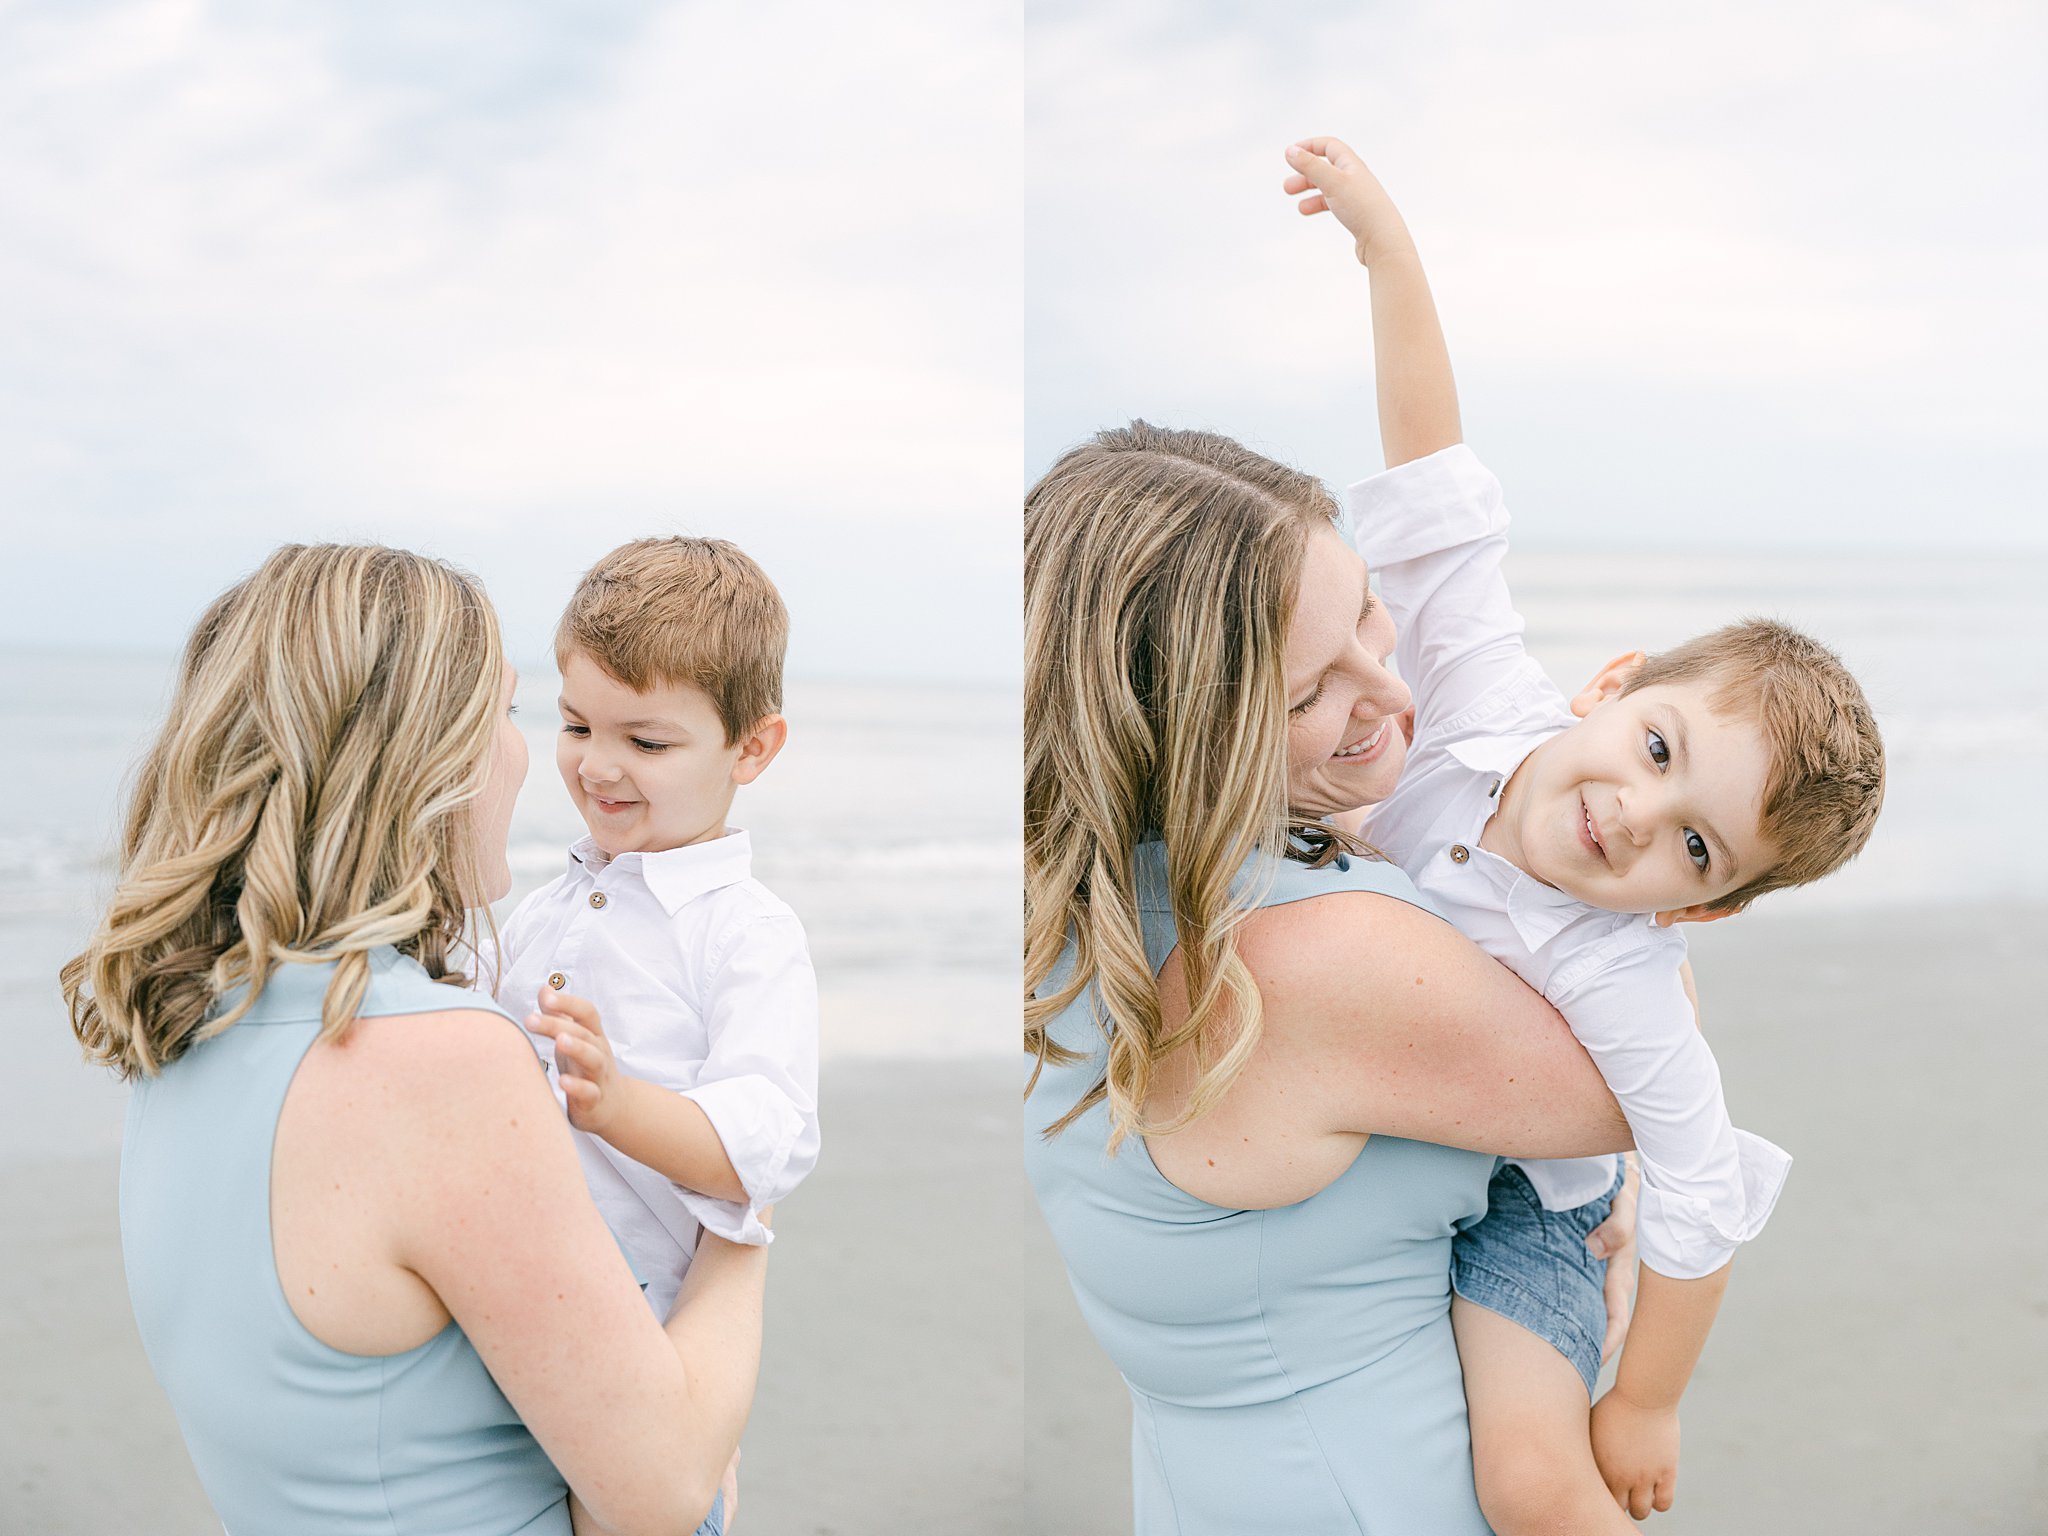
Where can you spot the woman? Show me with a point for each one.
(350, 1208)
(1269, 1084)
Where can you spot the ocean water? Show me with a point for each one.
(891, 823)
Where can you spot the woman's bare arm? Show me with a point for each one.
(498, 1221)
(1394, 1023)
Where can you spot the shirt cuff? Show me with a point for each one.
(759, 1128)
(1685, 1237)
(1424, 507)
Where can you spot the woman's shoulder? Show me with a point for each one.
(1358, 930)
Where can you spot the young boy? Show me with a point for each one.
(695, 1096)
(1566, 837)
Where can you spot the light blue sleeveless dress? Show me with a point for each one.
(287, 1434)
(1291, 1371)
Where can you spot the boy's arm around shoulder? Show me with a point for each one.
(758, 1087)
(493, 1214)
(1401, 1026)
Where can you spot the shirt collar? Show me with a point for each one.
(1500, 755)
(676, 876)
(1539, 912)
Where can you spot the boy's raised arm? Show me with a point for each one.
(1418, 398)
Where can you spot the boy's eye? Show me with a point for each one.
(575, 730)
(1659, 753)
(1696, 847)
(1308, 703)
(649, 746)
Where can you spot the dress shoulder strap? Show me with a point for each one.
(1266, 882)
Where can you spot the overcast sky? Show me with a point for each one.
(513, 283)
(1751, 273)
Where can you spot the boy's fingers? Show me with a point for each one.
(1295, 185)
(579, 1047)
(1316, 204)
(1308, 167)
(581, 1009)
(1334, 153)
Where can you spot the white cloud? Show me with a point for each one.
(284, 272)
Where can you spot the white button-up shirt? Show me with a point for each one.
(703, 983)
(1435, 531)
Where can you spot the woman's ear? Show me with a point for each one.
(1607, 682)
(758, 748)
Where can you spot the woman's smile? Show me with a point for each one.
(1367, 748)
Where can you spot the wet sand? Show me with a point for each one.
(1877, 1368)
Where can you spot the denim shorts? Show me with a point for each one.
(1532, 1266)
(714, 1523)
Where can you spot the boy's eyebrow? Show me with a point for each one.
(562, 703)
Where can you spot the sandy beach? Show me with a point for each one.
(1876, 1370)
(892, 1378)
(1878, 1364)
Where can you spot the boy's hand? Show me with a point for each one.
(1339, 183)
(590, 1074)
(1636, 1449)
(1615, 1241)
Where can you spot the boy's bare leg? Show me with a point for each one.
(1532, 1453)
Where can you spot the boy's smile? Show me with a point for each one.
(649, 771)
(1651, 803)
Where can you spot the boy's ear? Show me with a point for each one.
(1407, 722)
(1607, 683)
(1703, 913)
(758, 748)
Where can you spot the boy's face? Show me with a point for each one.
(651, 771)
(1649, 804)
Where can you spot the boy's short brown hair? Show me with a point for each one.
(1826, 779)
(683, 610)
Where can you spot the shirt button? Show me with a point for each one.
(1460, 853)
(557, 980)
(597, 898)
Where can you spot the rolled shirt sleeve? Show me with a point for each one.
(1435, 531)
(759, 1082)
(1707, 1188)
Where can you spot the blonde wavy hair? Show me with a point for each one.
(1160, 571)
(308, 799)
